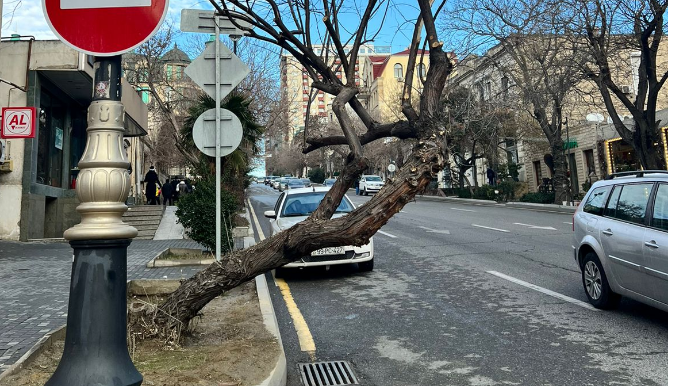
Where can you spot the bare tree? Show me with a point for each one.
(533, 51)
(614, 29)
(297, 27)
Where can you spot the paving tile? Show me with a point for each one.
(35, 282)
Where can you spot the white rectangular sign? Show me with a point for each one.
(88, 4)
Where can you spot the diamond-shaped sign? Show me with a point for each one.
(202, 70)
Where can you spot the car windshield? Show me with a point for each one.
(373, 178)
(304, 203)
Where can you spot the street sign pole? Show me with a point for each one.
(218, 166)
(202, 21)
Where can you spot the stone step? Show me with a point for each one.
(146, 208)
(142, 218)
(141, 222)
(141, 228)
(146, 218)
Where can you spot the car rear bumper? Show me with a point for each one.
(315, 261)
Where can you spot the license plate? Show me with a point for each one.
(329, 251)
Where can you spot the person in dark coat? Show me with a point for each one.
(175, 190)
(167, 192)
(491, 175)
(151, 180)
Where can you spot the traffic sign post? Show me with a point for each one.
(218, 56)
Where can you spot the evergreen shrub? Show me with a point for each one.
(196, 212)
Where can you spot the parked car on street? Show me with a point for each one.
(284, 182)
(370, 184)
(295, 183)
(620, 239)
(294, 206)
(329, 182)
(307, 182)
(276, 183)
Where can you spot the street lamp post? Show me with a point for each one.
(95, 350)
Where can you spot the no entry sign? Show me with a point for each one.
(104, 27)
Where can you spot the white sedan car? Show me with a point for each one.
(294, 206)
(370, 184)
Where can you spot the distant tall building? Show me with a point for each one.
(177, 92)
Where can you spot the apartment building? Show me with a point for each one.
(593, 147)
(38, 175)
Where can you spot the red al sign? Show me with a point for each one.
(104, 27)
(18, 122)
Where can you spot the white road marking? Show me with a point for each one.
(387, 234)
(535, 226)
(429, 230)
(464, 210)
(544, 290)
(566, 222)
(256, 221)
(493, 229)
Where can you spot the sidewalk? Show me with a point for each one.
(35, 279)
(513, 204)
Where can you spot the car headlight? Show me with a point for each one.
(365, 254)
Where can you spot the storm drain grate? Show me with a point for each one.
(327, 373)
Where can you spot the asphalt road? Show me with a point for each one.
(465, 294)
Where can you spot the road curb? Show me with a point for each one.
(525, 205)
(36, 350)
(278, 376)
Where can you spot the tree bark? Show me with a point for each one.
(316, 232)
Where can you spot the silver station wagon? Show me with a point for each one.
(620, 239)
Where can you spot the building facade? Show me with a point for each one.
(37, 196)
(593, 147)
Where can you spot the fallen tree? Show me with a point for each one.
(292, 27)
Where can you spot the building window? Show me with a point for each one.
(504, 86)
(169, 71)
(589, 162)
(487, 88)
(537, 173)
(51, 131)
(398, 71)
(480, 91)
(622, 157)
(146, 95)
(421, 71)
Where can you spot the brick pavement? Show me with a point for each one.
(35, 281)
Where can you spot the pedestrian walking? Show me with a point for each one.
(491, 175)
(182, 188)
(175, 190)
(151, 179)
(167, 191)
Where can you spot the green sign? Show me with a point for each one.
(570, 145)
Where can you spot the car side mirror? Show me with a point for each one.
(270, 213)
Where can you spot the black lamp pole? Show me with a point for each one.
(95, 350)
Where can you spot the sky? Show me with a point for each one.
(25, 17)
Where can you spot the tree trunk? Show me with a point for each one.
(356, 228)
(560, 180)
(648, 144)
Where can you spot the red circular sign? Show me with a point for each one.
(104, 30)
